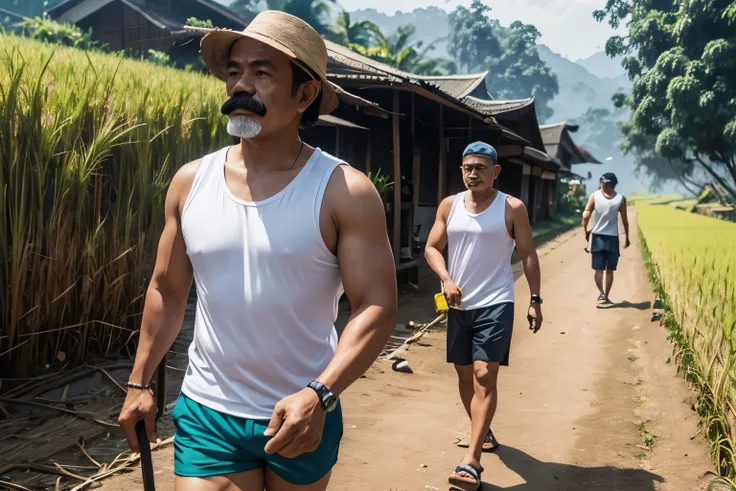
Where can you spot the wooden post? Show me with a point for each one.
(368, 154)
(470, 130)
(416, 176)
(413, 119)
(397, 179)
(443, 159)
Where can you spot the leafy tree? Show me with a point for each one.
(681, 58)
(399, 51)
(194, 22)
(510, 54)
(314, 12)
(45, 29)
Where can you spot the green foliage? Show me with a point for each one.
(510, 54)
(681, 58)
(691, 261)
(569, 203)
(159, 58)
(47, 30)
(381, 181)
(88, 144)
(194, 22)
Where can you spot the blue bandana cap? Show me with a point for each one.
(482, 149)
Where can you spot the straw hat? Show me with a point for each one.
(286, 33)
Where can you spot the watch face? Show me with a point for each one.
(330, 403)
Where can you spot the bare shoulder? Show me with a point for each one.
(445, 206)
(350, 194)
(185, 174)
(182, 182)
(515, 203)
(349, 183)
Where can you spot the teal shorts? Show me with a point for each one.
(209, 443)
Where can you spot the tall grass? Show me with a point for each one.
(88, 144)
(692, 261)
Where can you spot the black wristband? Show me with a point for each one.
(536, 299)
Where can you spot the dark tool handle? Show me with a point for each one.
(161, 388)
(146, 461)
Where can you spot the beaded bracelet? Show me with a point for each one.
(133, 385)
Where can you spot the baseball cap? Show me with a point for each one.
(609, 177)
(483, 149)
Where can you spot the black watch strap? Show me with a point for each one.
(537, 299)
(327, 399)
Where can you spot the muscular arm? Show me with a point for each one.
(167, 293)
(525, 245)
(625, 219)
(437, 241)
(163, 312)
(368, 275)
(588, 212)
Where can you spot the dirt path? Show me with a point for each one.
(576, 405)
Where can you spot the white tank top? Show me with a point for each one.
(479, 253)
(606, 213)
(267, 290)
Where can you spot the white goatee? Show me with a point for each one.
(243, 127)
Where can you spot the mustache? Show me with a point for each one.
(243, 101)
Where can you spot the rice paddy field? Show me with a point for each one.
(692, 260)
(88, 144)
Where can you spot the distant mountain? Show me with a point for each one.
(579, 88)
(601, 65)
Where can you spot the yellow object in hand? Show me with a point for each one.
(440, 302)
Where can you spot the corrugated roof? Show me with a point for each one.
(458, 86)
(589, 158)
(173, 21)
(352, 60)
(493, 107)
(557, 140)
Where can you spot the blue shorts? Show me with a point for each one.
(605, 252)
(209, 443)
(605, 260)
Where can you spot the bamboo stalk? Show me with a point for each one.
(79, 414)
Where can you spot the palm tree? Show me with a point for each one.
(313, 12)
(398, 51)
(344, 32)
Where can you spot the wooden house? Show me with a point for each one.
(137, 26)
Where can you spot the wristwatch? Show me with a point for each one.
(537, 299)
(327, 399)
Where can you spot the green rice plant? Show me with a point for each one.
(88, 145)
(692, 263)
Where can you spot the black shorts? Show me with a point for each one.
(480, 334)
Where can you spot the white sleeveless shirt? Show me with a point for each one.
(606, 212)
(479, 253)
(267, 290)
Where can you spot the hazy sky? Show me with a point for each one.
(567, 26)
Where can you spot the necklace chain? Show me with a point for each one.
(301, 149)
